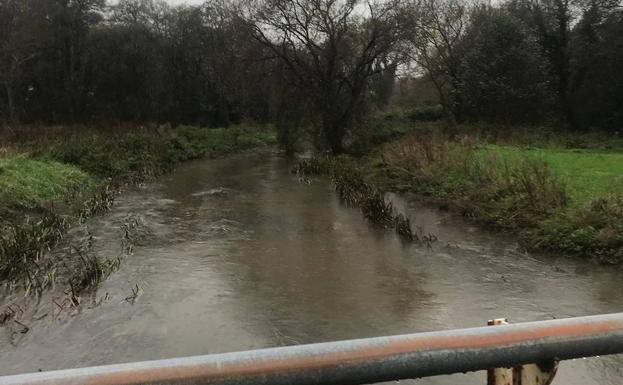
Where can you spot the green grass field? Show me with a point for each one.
(587, 173)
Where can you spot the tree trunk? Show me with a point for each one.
(334, 133)
(10, 102)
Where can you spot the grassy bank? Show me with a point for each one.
(587, 172)
(51, 182)
(557, 198)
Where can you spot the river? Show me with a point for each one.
(241, 255)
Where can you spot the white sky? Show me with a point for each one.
(178, 2)
(172, 2)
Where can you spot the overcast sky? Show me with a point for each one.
(178, 2)
(172, 2)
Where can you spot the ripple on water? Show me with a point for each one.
(218, 192)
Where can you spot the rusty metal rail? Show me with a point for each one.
(365, 360)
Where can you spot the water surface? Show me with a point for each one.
(241, 255)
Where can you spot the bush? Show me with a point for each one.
(125, 156)
(376, 131)
(594, 230)
(425, 113)
(189, 142)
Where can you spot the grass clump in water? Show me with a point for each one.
(91, 272)
(353, 190)
(322, 165)
(22, 247)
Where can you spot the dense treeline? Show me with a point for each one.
(66, 61)
(314, 65)
(524, 61)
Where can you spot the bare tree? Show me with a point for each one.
(332, 48)
(436, 28)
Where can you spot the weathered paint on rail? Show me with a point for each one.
(365, 360)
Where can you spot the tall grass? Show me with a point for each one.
(509, 190)
(23, 245)
(506, 192)
(353, 189)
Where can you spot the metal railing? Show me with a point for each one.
(364, 361)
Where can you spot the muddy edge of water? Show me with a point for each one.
(240, 255)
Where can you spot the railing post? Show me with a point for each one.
(535, 374)
(499, 376)
(530, 374)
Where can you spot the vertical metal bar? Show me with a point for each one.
(499, 376)
(529, 374)
(535, 374)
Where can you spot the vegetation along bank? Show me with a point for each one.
(320, 80)
(49, 183)
(561, 193)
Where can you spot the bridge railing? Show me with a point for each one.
(369, 360)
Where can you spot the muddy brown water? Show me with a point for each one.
(241, 255)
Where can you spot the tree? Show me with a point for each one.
(435, 30)
(126, 70)
(18, 46)
(503, 75)
(551, 22)
(333, 48)
(596, 94)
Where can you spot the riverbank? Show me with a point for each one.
(52, 182)
(557, 197)
(240, 256)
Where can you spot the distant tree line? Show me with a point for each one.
(66, 61)
(319, 64)
(526, 61)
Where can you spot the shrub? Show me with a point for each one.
(425, 113)
(124, 156)
(595, 230)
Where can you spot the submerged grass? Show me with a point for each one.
(354, 190)
(22, 247)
